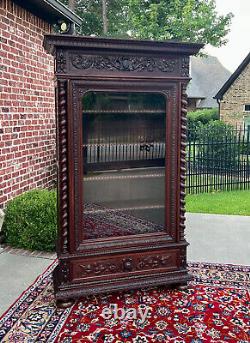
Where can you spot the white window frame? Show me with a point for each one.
(244, 108)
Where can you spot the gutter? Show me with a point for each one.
(51, 11)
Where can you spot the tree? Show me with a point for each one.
(104, 17)
(186, 20)
(72, 4)
(96, 21)
(217, 147)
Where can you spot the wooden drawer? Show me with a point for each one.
(123, 264)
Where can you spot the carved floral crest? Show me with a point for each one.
(124, 63)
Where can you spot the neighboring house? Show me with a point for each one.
(27, 110)
(234, 96)
(208, 75)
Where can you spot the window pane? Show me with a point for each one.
(124, 163)
(247, 107)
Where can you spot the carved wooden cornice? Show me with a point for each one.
(52, 42)
(166, 57)
(168, 65)
(123, 63)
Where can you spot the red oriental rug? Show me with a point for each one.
(214, 308)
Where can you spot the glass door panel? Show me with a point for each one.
(124, 164)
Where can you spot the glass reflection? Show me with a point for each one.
(124, 164)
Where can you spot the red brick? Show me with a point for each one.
(27, 131)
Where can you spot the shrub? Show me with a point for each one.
(202, 117)
(245, 148)
(31, 221)
(217, 147)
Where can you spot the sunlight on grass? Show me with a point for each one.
(234, 202)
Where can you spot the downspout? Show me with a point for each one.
(218, 102)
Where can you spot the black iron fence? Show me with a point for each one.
(218, 160)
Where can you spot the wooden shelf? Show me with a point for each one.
(124, 111)
(152, 144)
(124, 209)
(122, 177)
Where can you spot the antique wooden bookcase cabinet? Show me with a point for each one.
(121, 130)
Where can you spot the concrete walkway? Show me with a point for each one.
(212, 238)
(218, 238)
(17, 272)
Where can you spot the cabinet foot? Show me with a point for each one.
(63, 304)
(182, 287)
(179, 287)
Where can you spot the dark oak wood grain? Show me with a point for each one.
(83, 64)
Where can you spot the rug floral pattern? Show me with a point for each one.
(214, 308)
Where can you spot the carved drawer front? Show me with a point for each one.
(124, 264)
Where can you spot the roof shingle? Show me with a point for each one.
(208, 75)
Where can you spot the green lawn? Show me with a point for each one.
(234, 202)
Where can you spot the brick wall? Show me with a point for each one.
(27, 114)
(232, 105)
